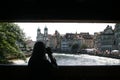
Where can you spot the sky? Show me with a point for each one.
(30, 29)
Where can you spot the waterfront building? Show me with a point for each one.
(117, 36)
(88, 39)
(56, 40)
(105, 40)
(75, 39)
(65, 46)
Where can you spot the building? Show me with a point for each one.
(88, 39)
(30, 44)
(96, 40)
(117, 36)
(65, 46)
(42, 37)
(105, 40)
(72, 39)
(56, 40)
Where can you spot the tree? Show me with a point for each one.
(83, 46)
(10, 37)
(75, 48)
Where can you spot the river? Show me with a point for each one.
(78, 60)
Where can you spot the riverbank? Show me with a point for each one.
(19, 61)
(77, 59)
(116, 56)
(15, 60)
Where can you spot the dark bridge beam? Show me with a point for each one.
(15, 72)
(42, 10)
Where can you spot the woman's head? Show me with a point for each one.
(39, 49)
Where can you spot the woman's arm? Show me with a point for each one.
(52, 58)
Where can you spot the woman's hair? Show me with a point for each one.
(39, 49)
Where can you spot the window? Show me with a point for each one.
(24, 36)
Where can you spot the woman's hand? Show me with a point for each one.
(48, 50)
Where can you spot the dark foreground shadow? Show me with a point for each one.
(21, 72)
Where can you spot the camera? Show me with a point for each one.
(48, 50)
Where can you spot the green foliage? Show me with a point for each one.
(10, 36)
(75, 48)
(83, 46)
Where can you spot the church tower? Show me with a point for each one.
(39, 35)
(38, 31)
(45, 33)
(46, 36)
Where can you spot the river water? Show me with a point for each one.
(78, 60)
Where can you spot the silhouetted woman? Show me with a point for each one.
(39, 65)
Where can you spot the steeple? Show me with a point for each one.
(45, 31)
(45, 28)
(39, 35)
(38, 30)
